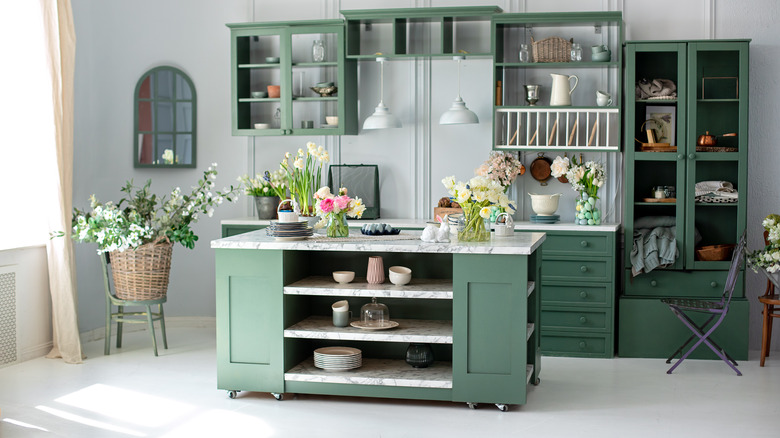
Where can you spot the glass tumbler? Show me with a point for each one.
(576, 52)
(525, 54)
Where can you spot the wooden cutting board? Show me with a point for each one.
(663, 200)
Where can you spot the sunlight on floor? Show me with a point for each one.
(220, 422)
(88, 422)
(23, 424)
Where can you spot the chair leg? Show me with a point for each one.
(107, 347)
(703, 338)
(769, 333)
(685, 344)
(151, 328)
(162, 326)
(765, 335)
(119, 327)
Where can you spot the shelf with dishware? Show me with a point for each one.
(570, 128)
(428, 288)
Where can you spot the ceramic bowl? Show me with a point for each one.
(274, 91)
(262, 126)
(272, 60)
(400, 275)
(544, 205)
(332, 120)
(324, 84)
(324, 91)
(259, 94)
(343, 277)
(601, 56)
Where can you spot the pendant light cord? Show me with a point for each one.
(381, 81)
(459, 79)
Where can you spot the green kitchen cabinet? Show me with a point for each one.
(581, 125)
(234, 229)
(711, 78)
(281, 53)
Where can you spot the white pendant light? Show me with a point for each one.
(458, 113)
(382, 117)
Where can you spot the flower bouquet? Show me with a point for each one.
(502, 167)
(475, 197)
(585, 178)
(768, 258)
(268, 190)
(304, 175)
(333, 209)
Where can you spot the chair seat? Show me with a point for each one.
(692, 304)
(772, 300)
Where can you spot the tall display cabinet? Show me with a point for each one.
(712, 98)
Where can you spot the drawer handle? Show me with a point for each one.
(692, 156)
(583, 320)
(584, 268)
(653, 283)
(583, 344)
(714, 284)
(583, 294)
(584, 243)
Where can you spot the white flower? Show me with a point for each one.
(484, 212)
(560, 166)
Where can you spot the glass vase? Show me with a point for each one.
(318, 51)
(588, 210)
(337, 225)
(419, 355)
(475, 228)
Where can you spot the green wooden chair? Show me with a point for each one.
(122, 317)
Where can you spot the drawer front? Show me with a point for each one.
(577, 269)
(557, 344)
(668, 283)
(577, 295)
(579, 243)
(576, 319)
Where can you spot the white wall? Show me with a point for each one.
(118, 41)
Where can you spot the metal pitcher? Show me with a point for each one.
(561, 89)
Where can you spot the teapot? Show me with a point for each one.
(561, 90)
(706, 139)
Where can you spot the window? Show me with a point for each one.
(165, 115)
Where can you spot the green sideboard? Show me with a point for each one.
(478, 310)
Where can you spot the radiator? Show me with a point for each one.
(8, 346)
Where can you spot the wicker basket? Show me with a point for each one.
(552, 49)
(142, 274)
(713, 253)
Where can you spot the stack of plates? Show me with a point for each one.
(338, 358)
(289, 230)
(545, 219)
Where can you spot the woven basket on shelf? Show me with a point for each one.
(711, 253)
(552, 49)
(142, 273)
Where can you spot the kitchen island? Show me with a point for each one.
(476, 304)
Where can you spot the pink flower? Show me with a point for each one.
(326, 205)
(342, 202)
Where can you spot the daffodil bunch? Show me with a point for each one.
(304, 174)
(475, 197)
(267, 184)
(769, 257)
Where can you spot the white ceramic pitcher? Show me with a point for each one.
(561, 90)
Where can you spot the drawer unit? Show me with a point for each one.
(580, 268)
(572, 242)
(693, 284)
(581, 320)
(578, 294)
(579, 345)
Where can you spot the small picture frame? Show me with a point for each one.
(664, 119)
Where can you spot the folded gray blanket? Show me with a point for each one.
(653, 247)
(646, 89)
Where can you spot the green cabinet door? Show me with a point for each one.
(490, 314)
(249, 320)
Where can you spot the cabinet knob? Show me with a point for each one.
(714, 284)
(692, 156)
(583, 344)
(680, 156)
(583, 320)
(584, 243)
(583, 294)
(653, 283)
(584, 268)
(287, 131)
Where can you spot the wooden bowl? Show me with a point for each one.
(713, 253)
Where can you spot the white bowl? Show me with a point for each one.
(544, 205)
(343, 277)
(332, 120)
(400, 275)
(262, 126)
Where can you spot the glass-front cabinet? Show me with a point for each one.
(291, 78)
(557, 80)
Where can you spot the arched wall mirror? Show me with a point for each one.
(165, 115)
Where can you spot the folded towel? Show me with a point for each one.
(720, 187)
(653, 248)
(646, 89)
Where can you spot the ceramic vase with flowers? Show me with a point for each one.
(586, 179)
(476, 197)
(334, 209)
(303, 172)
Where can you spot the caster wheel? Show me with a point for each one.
(537, 381)
(278, 396)
(502, 407)
(472, 405)
(232, 393)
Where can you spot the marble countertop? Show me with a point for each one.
(407, 241)
(421, 223)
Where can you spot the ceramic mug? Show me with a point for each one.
(341, 319)
(603, 99)
(598, 49)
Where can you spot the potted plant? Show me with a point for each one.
(268, 190)
(139, 231)
(304, 174)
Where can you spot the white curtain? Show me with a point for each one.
(61, 55)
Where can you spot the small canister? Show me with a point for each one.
(669, 192)
(658, 192)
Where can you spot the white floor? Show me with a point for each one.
(131, 393)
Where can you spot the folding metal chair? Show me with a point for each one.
(717, 310)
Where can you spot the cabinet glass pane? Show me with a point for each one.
(183, 116)
(165, 84)
(184, 149)
(303, 47)
(255, 49)
(164, 143)
(164, 116)
(305, 77)
(315, 112)
(718, 71)
(145, 148)
(145, 116)
(183, 91)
